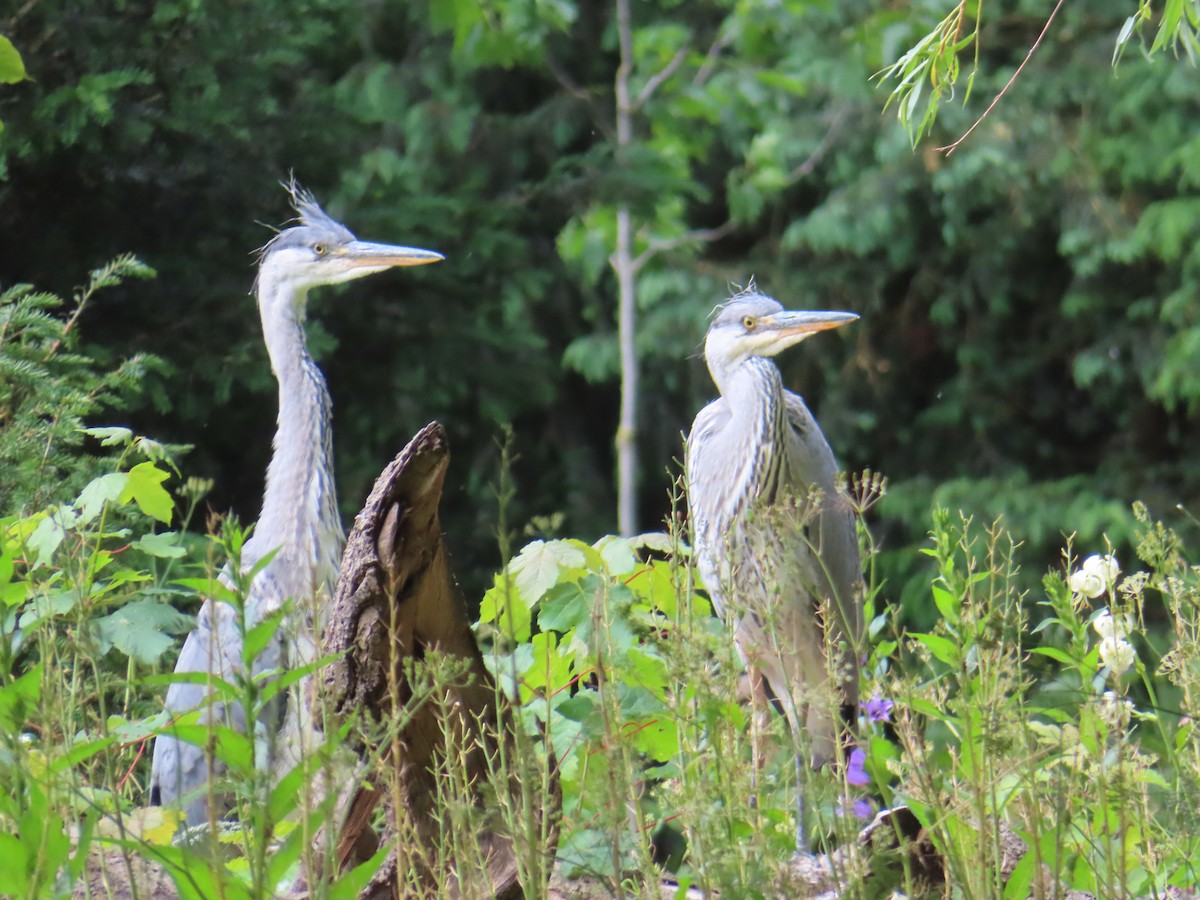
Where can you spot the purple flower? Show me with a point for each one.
(878, 709)
(862, 808)
(856, 771)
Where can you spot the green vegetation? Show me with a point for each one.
(1026, 354)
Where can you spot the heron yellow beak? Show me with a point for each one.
(364, 254)
(794, 323)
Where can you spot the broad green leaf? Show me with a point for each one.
(536, 568)
(638, 702)
(658, 738)
(47, 606)
(110, 436)
(654, 583)
(145, 488)
(129, 731)
(12, 67)
(504, 607)
(99, 491)
(566, 606)
(164, 545)
(645, 669)
(46, 539)
(548, 668)
(142, 629)
(579, 707)
(14, 877)
(617, 553)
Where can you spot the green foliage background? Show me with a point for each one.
(1030, 319)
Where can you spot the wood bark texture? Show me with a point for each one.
(397, 616)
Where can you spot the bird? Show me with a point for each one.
(775, 542)
(299, 523)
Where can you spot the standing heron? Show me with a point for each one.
(775, 540)
(299, 520)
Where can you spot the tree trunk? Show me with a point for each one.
(623, 263)
(408, 660)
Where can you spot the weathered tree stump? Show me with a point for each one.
(396, 612)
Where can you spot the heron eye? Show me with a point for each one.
(320, 249)
(748, 323)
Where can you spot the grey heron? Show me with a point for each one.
(299, 522)
(775, 541)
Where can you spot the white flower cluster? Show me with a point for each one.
(1115, 652)
(1097, 575)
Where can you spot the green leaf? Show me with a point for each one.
(12, 67)
(504, 606)
(164, 545)
(617, 553)
(46, 539)
(66, 759)
(579, 707)
(548, 669)
(14, 875)
(658, 739)
(942, 648)
(110, 436)
(142, 629)
(128, 731)
(948, 605)
(145, 488)
(214, 588)
(232, 747)
(645, 669)
(224, 689)
(566, 606)
(18, 698)
(100, 491)
(279, 683)
(1056, 654)
(349, 885)
(655, 583)
(258, 637)
(536, 568)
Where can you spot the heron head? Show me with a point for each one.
(752, 325)
(318, 250)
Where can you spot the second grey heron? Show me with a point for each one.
(775, 541)
(300, 522)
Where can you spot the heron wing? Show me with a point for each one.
(836, 575)
(707, 487)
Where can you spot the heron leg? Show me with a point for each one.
(760, 705)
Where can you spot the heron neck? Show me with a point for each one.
(299, 512)
(754, 392)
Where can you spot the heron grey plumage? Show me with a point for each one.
(299, 522)
(775, 541)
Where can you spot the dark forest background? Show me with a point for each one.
(1030, 328)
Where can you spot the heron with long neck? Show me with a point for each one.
(775, 541)
(299, 523)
